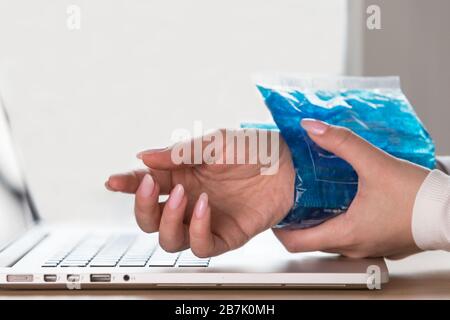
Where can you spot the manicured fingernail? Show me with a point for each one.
(108, 187)
(314, 126)
(201, 206)
(149, 151)
(176, 196)
(146, 187)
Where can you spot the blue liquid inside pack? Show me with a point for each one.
(374, 108)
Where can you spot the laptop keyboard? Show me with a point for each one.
(124, 250)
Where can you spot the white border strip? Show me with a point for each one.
(322, 82)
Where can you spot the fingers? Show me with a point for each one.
(201, 238)
(173, 233)
(203, 242)
(345, 144)
(129, 182)
(324, 237)
(147, 208)
(184, 153)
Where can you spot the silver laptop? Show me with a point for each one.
(34, 254)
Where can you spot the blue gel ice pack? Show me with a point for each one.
(374, 108)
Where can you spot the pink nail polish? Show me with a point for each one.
(107, 186)
(176, 196)
(149, 151)
(201, 206)
(314, 126)
(146, 187)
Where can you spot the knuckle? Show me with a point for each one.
(343, 137)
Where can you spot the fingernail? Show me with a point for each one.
(147, 185)
(201, 206)
(149, 151)
(107, 186)
(176, 196)
(314, 126)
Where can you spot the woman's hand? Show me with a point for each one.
(212, 208)
(378, 222)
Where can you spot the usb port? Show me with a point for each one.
(50, 277)
(101, 277)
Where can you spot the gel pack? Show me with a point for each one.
(374, 108)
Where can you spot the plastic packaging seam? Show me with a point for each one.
(303, 82)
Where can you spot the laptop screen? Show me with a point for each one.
(14, 207)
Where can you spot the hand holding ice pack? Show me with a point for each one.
(374, 108)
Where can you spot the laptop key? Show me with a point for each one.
(133, 264)
(76, 261)
(161, 263)
(49, 265)
(188, 259)
(73, 265)
(103, 264)
(190, 265)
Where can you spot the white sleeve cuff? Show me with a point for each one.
(431, 213)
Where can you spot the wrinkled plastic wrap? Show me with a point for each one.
(374, 108)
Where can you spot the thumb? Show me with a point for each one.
(345, 144)
(328, 235)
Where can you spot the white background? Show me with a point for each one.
(84, 102)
